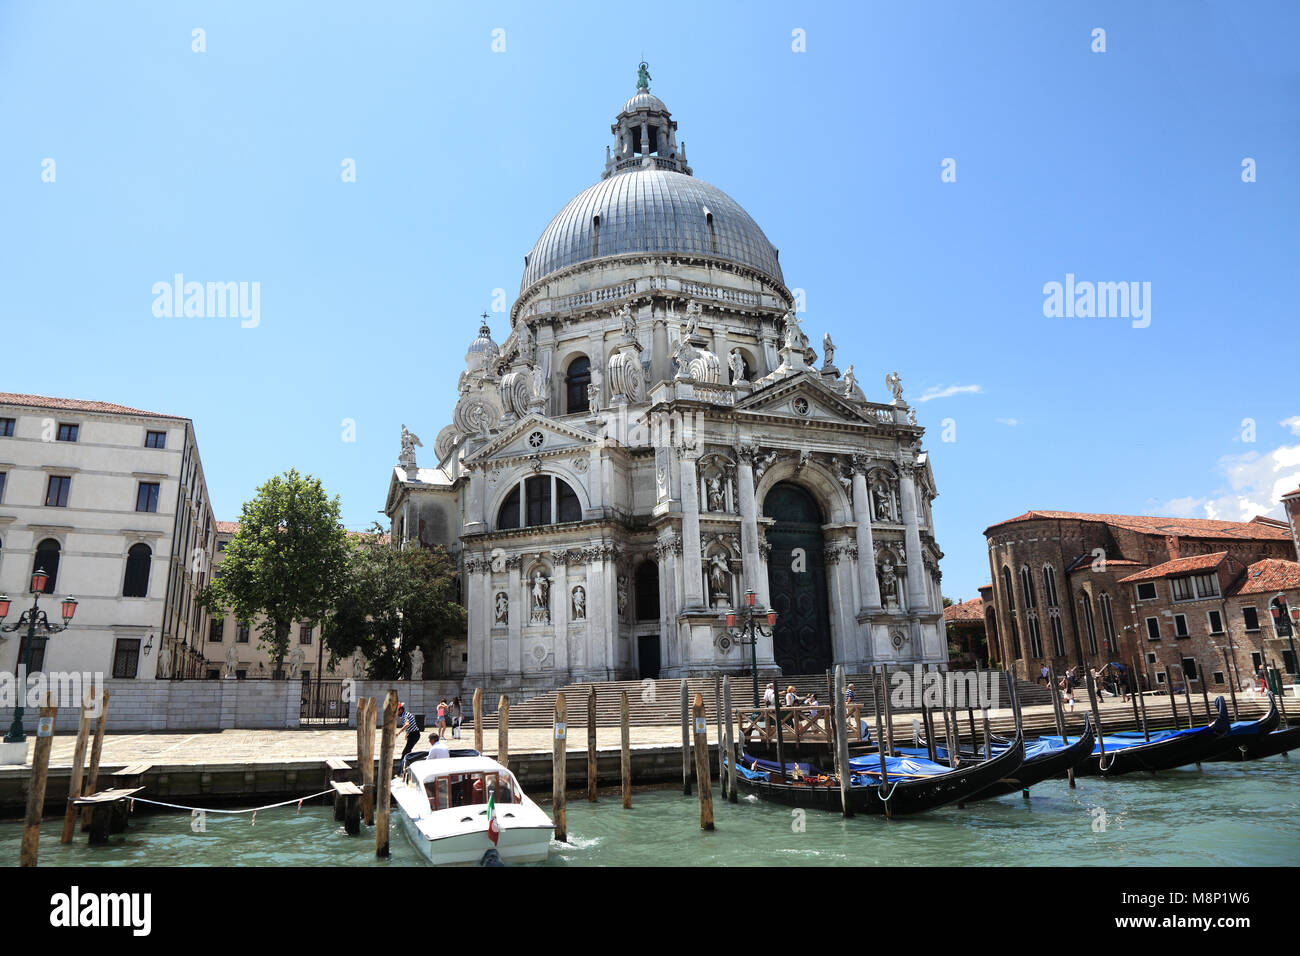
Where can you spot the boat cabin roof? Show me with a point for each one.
(426, 770)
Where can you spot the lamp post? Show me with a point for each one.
(746, 627)
(32, 619)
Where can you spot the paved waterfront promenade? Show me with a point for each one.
(253, 747)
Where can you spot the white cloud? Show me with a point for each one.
(1256, 482)
(947, 391)
(1013, 422)
(1292, 423)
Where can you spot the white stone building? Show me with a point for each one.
(111, 502)
(654, 437)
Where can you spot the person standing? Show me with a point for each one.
(442, 717)
(456, 715)
(406, 722)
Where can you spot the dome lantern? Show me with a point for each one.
(645, 134)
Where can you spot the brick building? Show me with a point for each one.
(1065, 589)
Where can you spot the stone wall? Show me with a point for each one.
(420, 697)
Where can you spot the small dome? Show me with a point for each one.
(644, 100)
(482, 350)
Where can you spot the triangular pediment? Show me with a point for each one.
(532, 435)
(801, 397)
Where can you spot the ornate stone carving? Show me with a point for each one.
(578, 603)
(736, 361)
(417, 664)
(763, 464)
(445, 442)
(515, 392)
(409, 443)
(719, 579)
(622, 594)
(477, 415)
(502, 608)
(888, 585)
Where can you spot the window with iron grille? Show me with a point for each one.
(126, 657)
(1182, 588)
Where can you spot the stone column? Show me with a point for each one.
(474, 508)
(560, 598)
(692, 566)
(520, 610)
(660, 356)
(479, 624)
(609, 570)
(867, 580)
(916, 599)
(748, 517)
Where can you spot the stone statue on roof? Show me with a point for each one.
(895, 385)
(643, 76)
(409, 443)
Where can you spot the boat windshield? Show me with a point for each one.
(466, 789)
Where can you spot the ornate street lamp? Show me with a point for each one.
(746, 627)
(32, 619)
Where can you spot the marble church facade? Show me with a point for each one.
(655, 437)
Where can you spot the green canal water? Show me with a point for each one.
(1224, 815)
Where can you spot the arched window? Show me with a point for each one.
(647, 591)
(1108, 623)
(1089, 623)
(1031, 613)
(546, 499)
(136, 581)
(1010, 595)
(47, 560)
(576, 380)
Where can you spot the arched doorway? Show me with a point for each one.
(796, 575)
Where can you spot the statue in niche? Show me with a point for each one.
(417, 664)
(884, 503)
(622, 594)
(683, 355)
(719, 578)
(539, 382)
(828, 351)
(888, 584)
(579, 603)
(716, 494)
(628, 322)
(593, 397)
(737, 363)
(503, 608)
(541, 599)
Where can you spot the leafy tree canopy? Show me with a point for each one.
(286, 561)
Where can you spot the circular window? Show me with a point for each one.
(536, 439)
(801, 405)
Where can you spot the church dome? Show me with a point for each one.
(650, 211)
(482, 350)
(644, 100)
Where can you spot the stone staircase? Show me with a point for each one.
(658, 702)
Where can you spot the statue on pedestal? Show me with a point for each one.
(417, 664)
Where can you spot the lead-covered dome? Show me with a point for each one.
(650, 211)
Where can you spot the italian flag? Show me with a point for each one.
(494, 830)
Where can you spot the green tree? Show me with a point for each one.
(391, 601)
(285, 561)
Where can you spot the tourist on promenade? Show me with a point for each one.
(1096, 682)
(1042, 676)
(442, 717)
(406, 723)
(456, 714)
(437, 749)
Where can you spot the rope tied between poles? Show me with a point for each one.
(253, 810)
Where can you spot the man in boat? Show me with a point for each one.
(407, 725)
(437, 749)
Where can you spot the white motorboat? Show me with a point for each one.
(444, 809)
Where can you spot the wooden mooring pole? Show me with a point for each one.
(1142, 702)
(841, 738)
(703, 779)
(880, 736)
(1059, 712)
(385, 782)
(559, 768)
(362, 729)
(36, 788)
(478, 719)
(625, 749)
(1205, 693)
(503, 731)
(368, 766)
(96, 751)
(1232, 684)
(717, 709)
(591, 744)
(78, 772)
(686, 740)
(728, 742)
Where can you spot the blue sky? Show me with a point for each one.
(1117, 166)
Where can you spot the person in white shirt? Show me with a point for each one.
(437, 749)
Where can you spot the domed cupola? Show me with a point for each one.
(645, 134)
(482, 352)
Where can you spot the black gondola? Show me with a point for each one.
(1042, 767)
(903, 796)
(1186, 747)
(1261, 738)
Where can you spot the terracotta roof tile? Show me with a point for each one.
(1268, 576)
(1148, 524)
(77, 405)
(1197, 562)
(972, 610)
